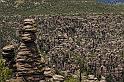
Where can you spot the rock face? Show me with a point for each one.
(28, 60)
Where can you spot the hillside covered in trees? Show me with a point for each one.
(56, 7)
(94, 42)
(76, 40)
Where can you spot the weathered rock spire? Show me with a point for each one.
(30, 67)
(28, 60)
(8, 53)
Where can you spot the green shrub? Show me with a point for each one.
(71, 79)
(5, 72)
(110, 78)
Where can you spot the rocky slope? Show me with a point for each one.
(95, 40)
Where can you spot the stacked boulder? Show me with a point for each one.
(58, 78)
(28, 61)
(92, 78)
(51, 76)
(48, 74)
(8, 53)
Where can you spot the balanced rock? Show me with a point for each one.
(91, 77)
(8, 51)
(48, 72)
(58, 78)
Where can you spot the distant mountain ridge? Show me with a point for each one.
(57, 7)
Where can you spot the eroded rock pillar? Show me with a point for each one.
(28, 60)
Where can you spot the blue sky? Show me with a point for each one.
(111, 1)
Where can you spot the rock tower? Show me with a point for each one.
(28, 60)
(28, 66)
(8, 53)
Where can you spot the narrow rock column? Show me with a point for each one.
(8, 54)
(28, 60)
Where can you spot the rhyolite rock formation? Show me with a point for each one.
(30, 66)
(28, 60)
(8, 53)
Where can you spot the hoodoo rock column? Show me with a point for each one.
(8, 53)
(28, 60)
